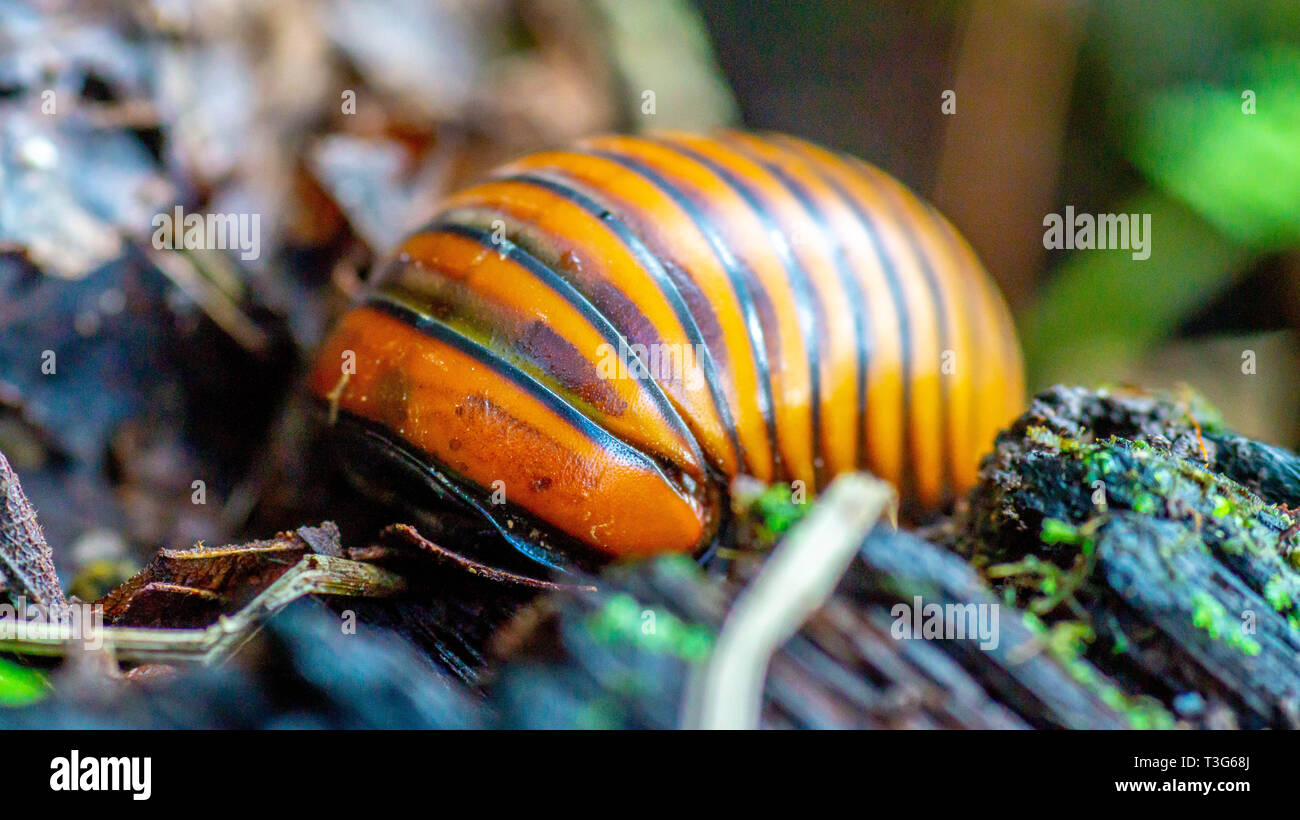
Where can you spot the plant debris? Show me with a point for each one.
(192, 587)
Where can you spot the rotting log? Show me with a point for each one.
(1161, 539)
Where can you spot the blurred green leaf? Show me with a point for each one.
(1104, 309)
(1227, 188)
(1239, 171)
(20, 686)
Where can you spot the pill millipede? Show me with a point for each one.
(585, 348)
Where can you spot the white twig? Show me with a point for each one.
(801, 573)
(314, 574)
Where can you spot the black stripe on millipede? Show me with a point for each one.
(651, 264)
(941, 318)
(867, 221)
(859, 307)
(737, 273)
(580, 303)
(435, 329)
(807, 307)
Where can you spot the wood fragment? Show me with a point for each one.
(192, 586)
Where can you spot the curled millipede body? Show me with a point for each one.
(607, 334)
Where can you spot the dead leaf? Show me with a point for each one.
(26, 563)
(191, 587)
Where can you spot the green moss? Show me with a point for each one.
(1152, 481)
(1044, 437)
(1067, 642)
(1120, 645)
(778, 511)
(1222, 506)
(1278, 593)
(1210, 615)
(766, 514)
(1056, 531)
(623, 619)
(1049, 585)
(1145, 503)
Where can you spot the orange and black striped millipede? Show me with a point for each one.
(604, 335)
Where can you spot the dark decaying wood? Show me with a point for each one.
(1142, 570)
(1182, 568)
(845, 668)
